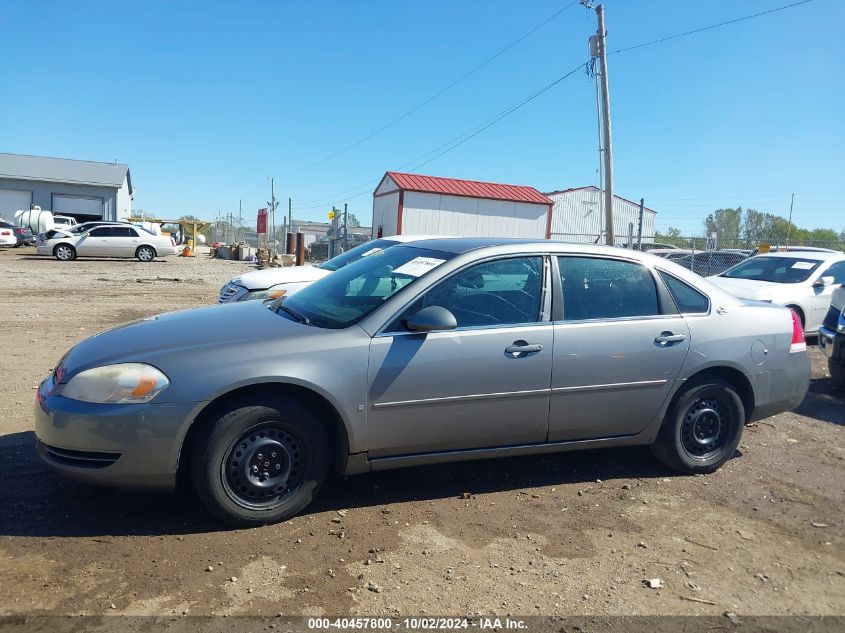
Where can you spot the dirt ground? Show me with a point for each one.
(575, 533)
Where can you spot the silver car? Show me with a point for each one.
(428, 352)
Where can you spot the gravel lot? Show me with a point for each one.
(575, 533)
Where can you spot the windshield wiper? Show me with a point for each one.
(298, 316)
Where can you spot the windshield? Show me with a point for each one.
(353, 255)
(781, 270)
(350, 294)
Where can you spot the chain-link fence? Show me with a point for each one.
(706, 256)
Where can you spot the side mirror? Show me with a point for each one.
(432, 319)
(824, 282)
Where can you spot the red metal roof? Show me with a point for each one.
(467, 188)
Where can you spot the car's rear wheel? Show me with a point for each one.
(837, 374)
(260, 463)
(65, 252)
(145, 253)
(702, 428)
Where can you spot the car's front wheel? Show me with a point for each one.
(260, 462)
(145, 253)
(702, 428)
(64, 252)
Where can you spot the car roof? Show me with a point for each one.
(413, 238)
(460, 245)
(821, 256)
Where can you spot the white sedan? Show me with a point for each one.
(108, 241)
(7, 237)
(272, 283)
(803, 281)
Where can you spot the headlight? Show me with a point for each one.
(270, 293)
(124, 383)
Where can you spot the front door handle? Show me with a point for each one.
(521, 347)
(666, 338)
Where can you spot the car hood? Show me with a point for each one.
(226, 327)
(268, 277)
(748, 288)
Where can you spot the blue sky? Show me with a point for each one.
(205, 101)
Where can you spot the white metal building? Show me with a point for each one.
(83, 189)
(428, 205)
(578, 216)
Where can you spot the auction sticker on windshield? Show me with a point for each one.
(803, 265)
(418, 266)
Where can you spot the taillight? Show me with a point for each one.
(5, 233)
(799, 343)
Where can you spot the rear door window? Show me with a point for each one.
(603, 288)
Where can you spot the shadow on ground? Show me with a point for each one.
(823, 403)
(38, 502)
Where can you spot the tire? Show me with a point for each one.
(225, 457)
(702, 427)
(837, 375)
(64, 252)
(145, 253)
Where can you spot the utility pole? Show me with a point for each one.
(290, 215)
(598, 49)
(640, 225)
(345, 227)
(273, 204)
(789, 226)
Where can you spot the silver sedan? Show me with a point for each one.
(428, 352)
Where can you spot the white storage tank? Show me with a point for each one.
(37, 219)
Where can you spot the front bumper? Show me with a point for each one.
(230, 293)
(832, 345)
(123, 445)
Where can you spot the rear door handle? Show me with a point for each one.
(520, 347)
(666, 338)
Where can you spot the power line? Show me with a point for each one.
(707, 28)
(460, 140)
(429, 99)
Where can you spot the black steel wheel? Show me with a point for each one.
(263, 466)
(261, 461)
(702, 427)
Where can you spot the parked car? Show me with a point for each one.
(706, 263)
(76, 229)
(23, 234)
(802, 281)
(272, 283)
(795, 248)
(832, 337)
(8, 239)
(427, 352)
(108, 241)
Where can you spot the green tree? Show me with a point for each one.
(352, 219)
(724, 222)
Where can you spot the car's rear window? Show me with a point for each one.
(687, 299)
